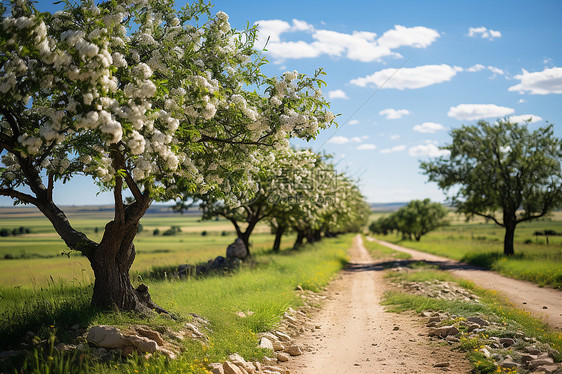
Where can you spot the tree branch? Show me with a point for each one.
(489, 217)
(133, 186)
(50, 187)
(18, 195)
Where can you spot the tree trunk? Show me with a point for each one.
(299, 241)
(111, 262)
(317, 235)
(508, 241)
(278, 236)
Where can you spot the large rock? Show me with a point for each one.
(107, 337)
(444, 331)
(151, 334)
(230, 368)
(142, 344)
(236, 249)
(294, 350)
(266, 343)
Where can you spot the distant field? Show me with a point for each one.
(481, 243)
(33, 260)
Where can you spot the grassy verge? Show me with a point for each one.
(482, 245)
(513, 322)
(378, 251)
(266, 288)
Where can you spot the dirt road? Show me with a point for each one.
(524, 295)
(356, 335)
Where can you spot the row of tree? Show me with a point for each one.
(295, 191)
(413, 220)
(158, 104)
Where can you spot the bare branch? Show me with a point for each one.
(50, 187)
(18, 195)
(489, 217)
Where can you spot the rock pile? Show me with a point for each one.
(508, 348)
(234, 253)
(439, 290)
(142, 339)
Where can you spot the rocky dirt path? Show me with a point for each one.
(356, 335)
(524, 295)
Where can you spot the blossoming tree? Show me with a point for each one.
(279, 178)
(138, 96)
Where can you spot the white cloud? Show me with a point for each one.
(417, 37)
(359, 45)
(429, 127)
(427, 150)
(394, 113)
(356, 139)
(544, 82)
(337, 94)
(524, 117)
(521, 101)
(353, 122)
(271, 29)
(364, 147)
(394, 137)
(478, 111)
(338, 140)
(396, 148)
(477, 67)
(409, 78)
(484, 33)
(496, 70)
(480, 67)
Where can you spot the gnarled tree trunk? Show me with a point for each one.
(111, 262)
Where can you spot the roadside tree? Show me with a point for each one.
(140, 96)
(501, 167)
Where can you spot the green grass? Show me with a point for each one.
(482, 244)
(267, 288)
(491, 304)
(378, 251)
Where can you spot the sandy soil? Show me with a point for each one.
(356, 335)
(524, 295)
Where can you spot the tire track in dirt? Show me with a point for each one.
(356, 335)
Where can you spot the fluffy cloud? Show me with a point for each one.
(484, 33)
(345, 140)
(394, 113)
(428, 127)
(478, 111)
(409, 78)
(544, 82)
(417, 37)
(338, 140)
(353, 122)
(525, 117)
(427, 150)
(396, 148)
(480, 67)
(359, 45)
(337, 94)
(364, 147)
(395, 136)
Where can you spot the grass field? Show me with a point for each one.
(48, 295)
(41, 257)
(481, 244)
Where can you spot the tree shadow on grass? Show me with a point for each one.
(33, 315)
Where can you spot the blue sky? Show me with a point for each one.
(401, 74)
